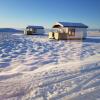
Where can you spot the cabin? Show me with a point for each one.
(68, 31)
(34, 30)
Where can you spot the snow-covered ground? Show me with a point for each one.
(36, 68)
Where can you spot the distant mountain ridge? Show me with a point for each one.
(10, 30)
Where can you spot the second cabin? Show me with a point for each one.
(67, 30)
(34, 30)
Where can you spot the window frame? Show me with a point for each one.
(71, 32)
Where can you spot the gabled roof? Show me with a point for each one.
(36, 27)
(70, 24)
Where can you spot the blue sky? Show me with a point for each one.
(20, 13)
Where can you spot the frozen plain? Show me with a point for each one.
(36, 68)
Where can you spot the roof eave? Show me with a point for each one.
(36, 27)
(77, 26)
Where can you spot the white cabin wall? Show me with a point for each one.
(40, 31)
(85, 33)
(80, 32)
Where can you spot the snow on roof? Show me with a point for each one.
(36, 27)
(70, 24)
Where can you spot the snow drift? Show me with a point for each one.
(35, 68)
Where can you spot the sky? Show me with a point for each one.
(20, 13)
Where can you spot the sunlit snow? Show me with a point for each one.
(36, 68)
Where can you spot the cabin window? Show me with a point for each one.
(65, 30)
(60, 30)
(30, 29)
(71, 32)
